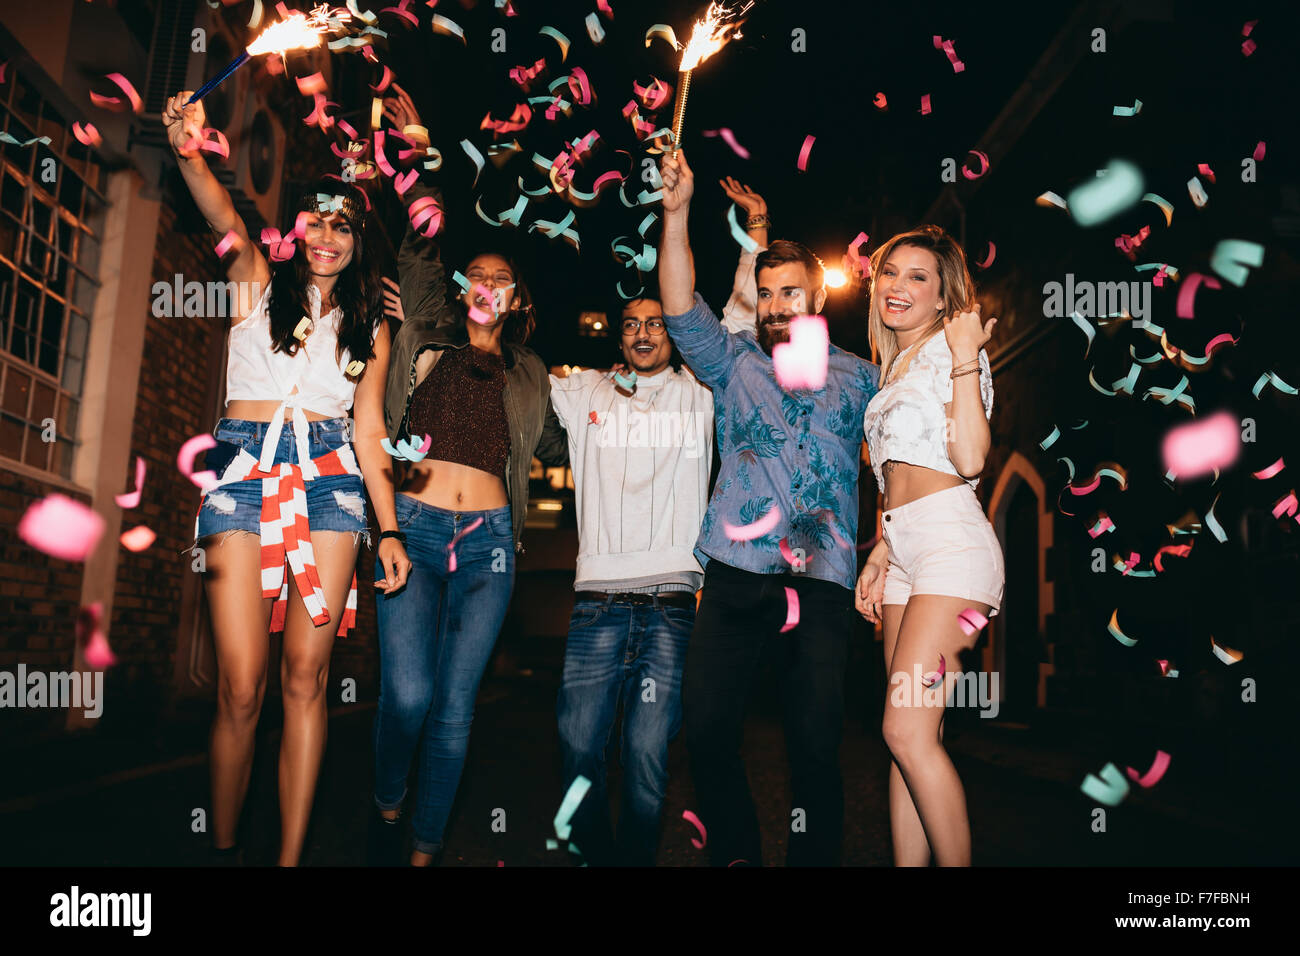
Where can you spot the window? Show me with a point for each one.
(49, 254)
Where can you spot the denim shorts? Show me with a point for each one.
(334, 502)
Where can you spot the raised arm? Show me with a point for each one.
(421, 274)
(972, 391)
(741, 311)
(247, 268)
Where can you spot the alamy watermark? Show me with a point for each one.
(58, 689)
(689, 431)
(1097, 299)
(953, 689)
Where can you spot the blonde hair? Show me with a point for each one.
(956, 288)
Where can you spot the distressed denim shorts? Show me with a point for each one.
(334, 502)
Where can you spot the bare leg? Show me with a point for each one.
(910, 845)
(240, 621)
(304, 672)
(913, 730)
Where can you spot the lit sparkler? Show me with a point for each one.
(708, 38)
(299, 31)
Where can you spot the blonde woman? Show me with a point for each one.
(928, 436)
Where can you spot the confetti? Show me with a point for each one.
(1103, 525)
(559, 38)
(754, 530)
(628, 381)
(131, 499)
(6, 138)
(804, 150)
(747, 242)
(946, 45)
(1128, 110)
(594, 29)
(1271, 377)
(797, 563)
(1152, 776)
(447, 27)
(185, 461)
(971, 621)
(91, 639)
(988, 260)
(1197, 192)
(925, 104)
(1050, 440)
(1187, 293)
(569, 805)
(1213, 524)
(61, 527)
(229, 241)
(1270, 471)
(451, 558)
(729, 138)
(664, 32)
(934, 677)
(864, 262)
(1165, 206)
(1285, 505)
(1201, 447)
(1114, 628)
(475, 156)
(1231, 258)
(115, 103)
(280, 248)
(1050, 198)
(1259, 151)
(1110, 790)
(984, 165)
(87, 135)
(1087, 328)
(1177, 550)
(1225, 654)
(138, 538)
(426, 216)
(690, 817)
(1107, 195)
(880, 101)
(801, 362)
(791, 610)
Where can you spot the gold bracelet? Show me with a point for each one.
(758, 222)
(960, 374)
(973, 362)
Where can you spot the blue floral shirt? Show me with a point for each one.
(797, 451)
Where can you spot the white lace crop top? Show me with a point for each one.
(254, 371)
(905, 419)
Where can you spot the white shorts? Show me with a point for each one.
(943, 544)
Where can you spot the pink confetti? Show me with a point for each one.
(932, 678)
(796, 563)
(87, 135)
(1103, 525)
(1201, 447)
(654, 96)
(213, 141)
(138, 538)
(524, 76)
(603, 7)
(281, 249)
(1248, 47)
(971, 621)
(593, 418)
(754, 530)
(403, 12)
(690, 817)
(405, 180)
(1247, 27)
(1259, 151)
(451, 548)
(311, 85)
(426, 216)
(90, 637)
(380, 158)
(1205, 170)
(1286, 505)
(925, 105)
(1177, 550)
(791, 610)
(115, 103)
(185, 461)
(803, 153)
(1086, 489)
(880, 101)
(132, 498)
(801, 362)
(1187, 293)
(988, 260)
(61, 528)
(864, 262)
(1152, 776)
(1270, 471)
(518, 120)
(384, 81)
(229, 241)
(946, 45)
(984, 165)
(580, 87)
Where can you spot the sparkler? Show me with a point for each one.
(299, 31)
(707, 39)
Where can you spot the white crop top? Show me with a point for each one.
(254, 371)
(905, 419)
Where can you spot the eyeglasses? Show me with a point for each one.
(652, 326)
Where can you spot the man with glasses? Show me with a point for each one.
(641, 449)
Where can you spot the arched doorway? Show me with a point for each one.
(1017, 640)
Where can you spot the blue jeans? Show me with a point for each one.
(435, 637)
(615, 652)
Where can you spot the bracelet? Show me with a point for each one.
(400, 536)
(758, 222)
(971, 364)
(968, 371)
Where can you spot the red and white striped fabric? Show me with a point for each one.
(286, 533)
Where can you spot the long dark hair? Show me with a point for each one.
(357, 291)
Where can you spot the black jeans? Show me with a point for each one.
(739, 612)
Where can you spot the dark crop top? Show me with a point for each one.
(461, 406)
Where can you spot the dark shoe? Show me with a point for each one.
(385, 841)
